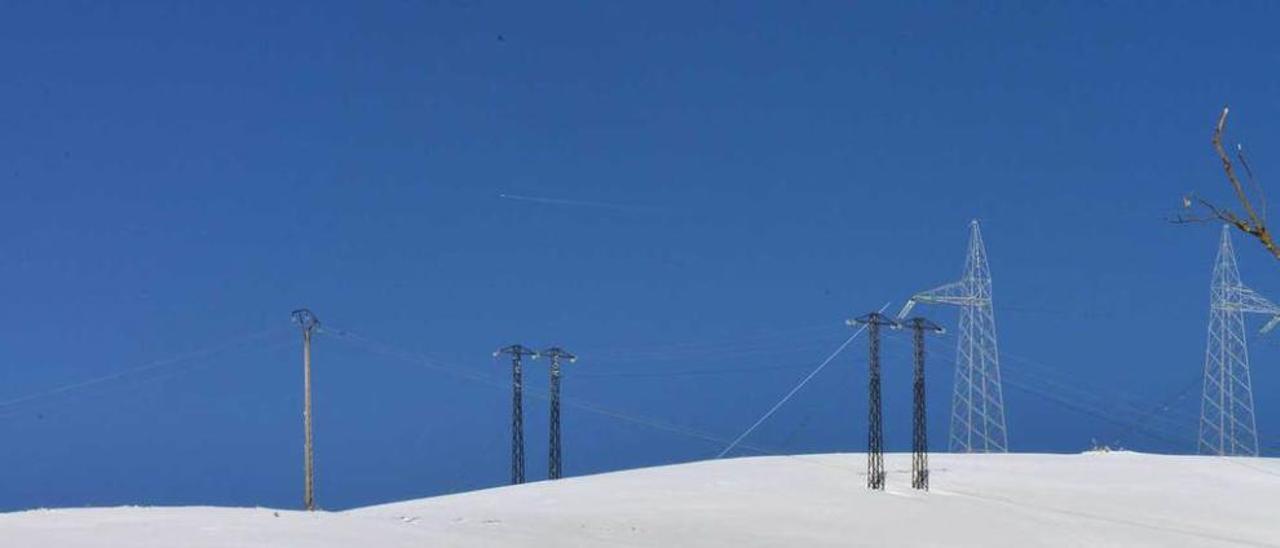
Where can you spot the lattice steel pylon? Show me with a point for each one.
(875, 417)
(919, 421)
(977, 401)
(517, 353)
(1227, 422)
(554, 457)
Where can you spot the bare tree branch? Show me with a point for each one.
(1215, 214)
(1229, 169)
(1251, 223)
(1257, 188)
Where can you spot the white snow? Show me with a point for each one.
(1092, 499)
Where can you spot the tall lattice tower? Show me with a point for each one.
(875, 417)
(977, 403)
(1227, 423)
(554, 457)
(919, 421)
(517, 353)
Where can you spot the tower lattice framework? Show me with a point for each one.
(977, 401)
(1227, 422)
(919, 420)
(517, 353)
(555, 455)
(875, 417)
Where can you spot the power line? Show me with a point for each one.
(134, 382)
(1051, 376)
(10, 407)
(463, 373)
(757, 336)
(692, 372)
(1097, 409)
(1105, 411)
(1048, 375)
(720, 353)
(1110, 416)
(794, 390)
(1163, 406)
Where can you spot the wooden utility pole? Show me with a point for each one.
(308, 322)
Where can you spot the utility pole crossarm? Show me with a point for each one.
(1252, 302)
(556, 352)
(516, 350)
(924, 324)
(955, 293)
(874, 318)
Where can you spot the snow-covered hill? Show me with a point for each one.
(1096, 499)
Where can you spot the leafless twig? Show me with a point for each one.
(1250, 223)
(1257, 188)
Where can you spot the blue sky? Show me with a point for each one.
(719, 186)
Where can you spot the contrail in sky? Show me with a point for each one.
(571, 203)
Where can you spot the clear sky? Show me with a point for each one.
(697, 198)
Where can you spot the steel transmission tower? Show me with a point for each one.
(977, 403)
(875, 421)
(517, 353)
(1227, 423)
(556, 353)
(919, 422)
(308, 322)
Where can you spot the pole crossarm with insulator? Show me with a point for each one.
(554, 461)
(517, 353)
(875, 422)
(919, 420)
(308, 322)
